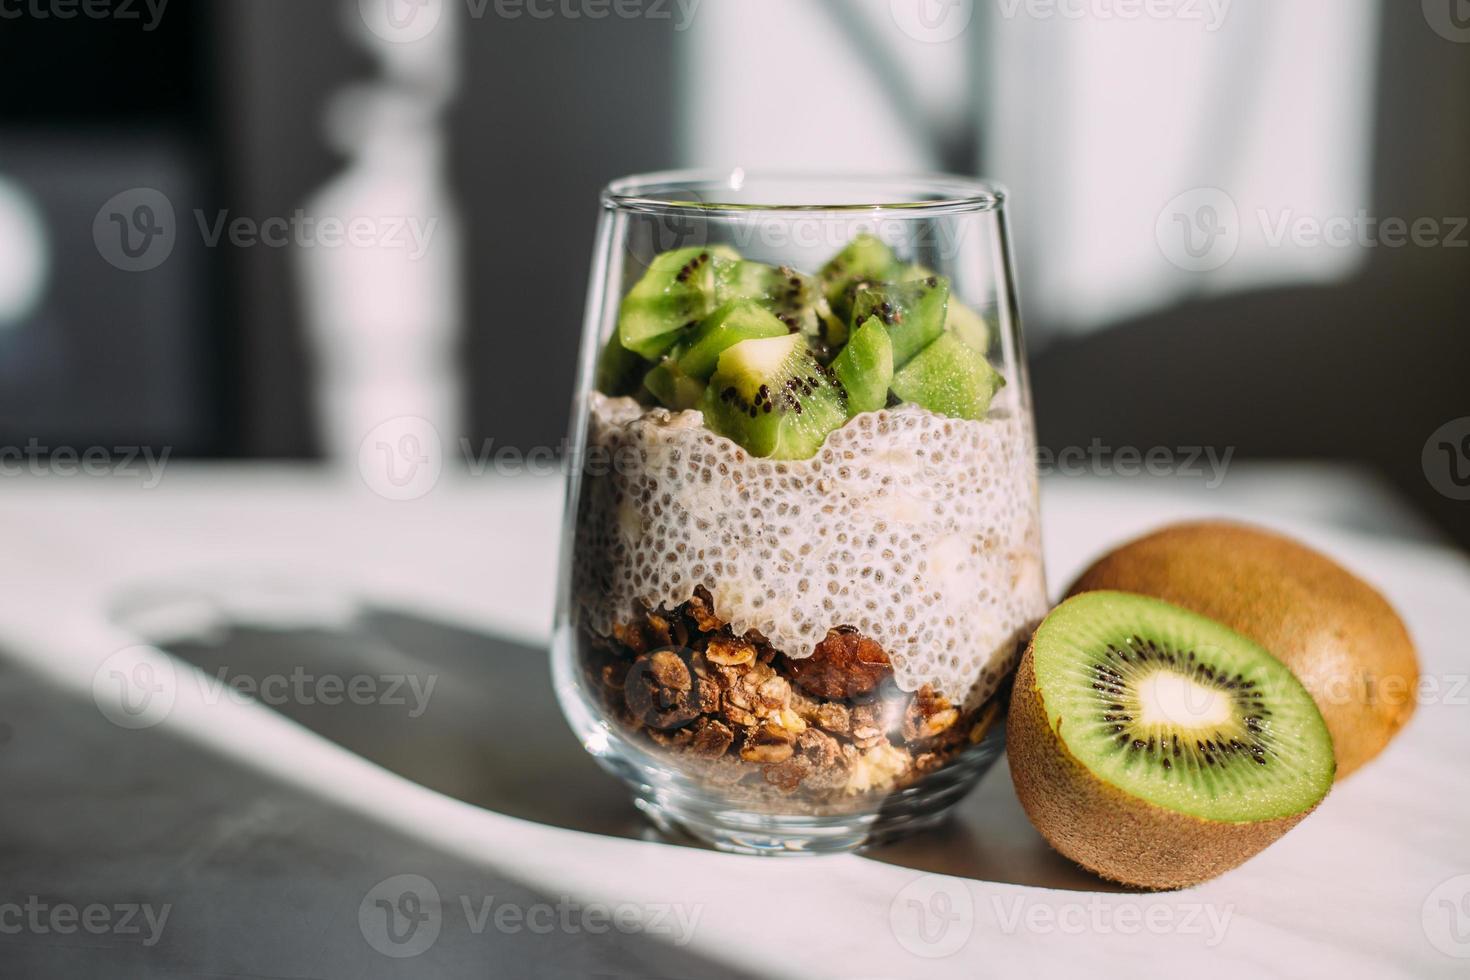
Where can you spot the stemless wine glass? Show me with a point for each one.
(810, 653)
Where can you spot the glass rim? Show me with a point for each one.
(951, 194)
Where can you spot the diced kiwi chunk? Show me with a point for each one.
(865, 367)
(773, 397)
(961, 320)
(865, 258)
(794, 298)
(950, 378)
(970, 327)
(619, 370)
(672, 387)
(737, 320)
(913, 312)
(677, 291)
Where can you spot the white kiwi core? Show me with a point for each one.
(1167, 698)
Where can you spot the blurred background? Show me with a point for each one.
(253, 229)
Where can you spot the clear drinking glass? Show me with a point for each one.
(800, 654)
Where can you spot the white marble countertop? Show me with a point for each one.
(270, 833)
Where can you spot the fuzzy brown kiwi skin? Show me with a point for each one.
(1338, 635)
(1114, 835)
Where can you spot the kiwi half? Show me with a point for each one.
(1158, 748)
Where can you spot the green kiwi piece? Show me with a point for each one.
(961, 320)
(794, 298)
(865, 367)
(619, 370)
(672, 387)
(913, 312)
(970, 327)
(737, 320)
(950, 378)
(773, 397)
(865, 258)
(676, 291)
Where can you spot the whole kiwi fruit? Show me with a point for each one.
(1337, 634)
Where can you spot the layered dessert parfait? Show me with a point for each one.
(807, 545)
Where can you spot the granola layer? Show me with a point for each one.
(732, 710)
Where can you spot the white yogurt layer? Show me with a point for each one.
(921, 531)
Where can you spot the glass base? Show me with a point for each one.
(903, 813)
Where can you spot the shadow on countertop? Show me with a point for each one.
(223, 870)
(492, 734)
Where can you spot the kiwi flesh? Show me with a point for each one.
(773, 397)
(1159, 748)
(1336, 633)
(913, 312)
(672, 387)
(619, 370)
(865, 367)
(864, 259)
(794, 298)
(737, 320)
(949, 377)
(960, 320)
(676, 292)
